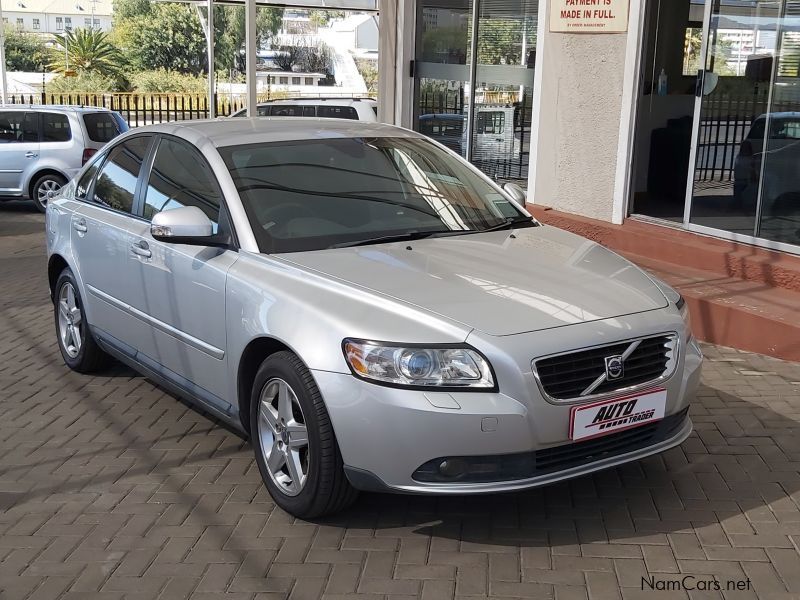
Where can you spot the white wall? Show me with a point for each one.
(47, 22)
(584, 101)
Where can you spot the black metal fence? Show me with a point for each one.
(725, 122)
(506, 165)
(138, 109)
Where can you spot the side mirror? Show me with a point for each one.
(184, 225)
(517, 194)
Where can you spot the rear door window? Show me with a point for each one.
(116, 183)
(102, 127)
(337, 112)
(85, 182)
(55, 127)
(287, 110)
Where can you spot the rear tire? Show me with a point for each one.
(75, 341)
(45, 189)
(294, 442)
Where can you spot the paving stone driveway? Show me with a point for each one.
(111, 488)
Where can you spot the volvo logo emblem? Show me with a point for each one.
(615, 368)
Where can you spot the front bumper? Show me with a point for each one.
(386, 434)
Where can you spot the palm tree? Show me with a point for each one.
(86, 50)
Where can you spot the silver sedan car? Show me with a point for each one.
(371, 310)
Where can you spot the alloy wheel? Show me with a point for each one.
(47, 190)
(70, 321)
(283, 436)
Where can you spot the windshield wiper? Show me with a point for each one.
(385, 239)
(509, 223)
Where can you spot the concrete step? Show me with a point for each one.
(777, 269)
(738, 296)
(734, 312)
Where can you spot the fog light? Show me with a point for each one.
(452, 467)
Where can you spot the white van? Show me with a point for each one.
(357, 109)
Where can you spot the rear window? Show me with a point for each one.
(103, 126)
(55, 128)
(337, 112)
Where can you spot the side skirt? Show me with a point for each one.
(169, 380)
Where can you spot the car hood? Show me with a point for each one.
(541, 278)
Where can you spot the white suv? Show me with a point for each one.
(356, 109)
(43, 147)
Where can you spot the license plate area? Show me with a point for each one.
(610, 416)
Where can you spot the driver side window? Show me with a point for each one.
(181, 177)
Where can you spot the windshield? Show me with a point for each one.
(316, 194)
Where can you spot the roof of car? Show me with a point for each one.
(54, 107)
(779, 115)
(315, 101)
(238, 132)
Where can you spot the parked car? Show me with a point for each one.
(494, 137)
(42, 147)
(776, 162)
(357, 109)
(373, 311)
(445, 128)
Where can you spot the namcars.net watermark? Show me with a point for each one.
(690, 583)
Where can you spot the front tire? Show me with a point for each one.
(78, 348)
(294, 442)
(45, 189)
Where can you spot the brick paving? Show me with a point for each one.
(111, 488)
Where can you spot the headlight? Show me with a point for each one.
(457, 367)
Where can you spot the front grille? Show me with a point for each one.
(511, 467)
(571, 376)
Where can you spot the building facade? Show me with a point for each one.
(681, 112)
(54, 17)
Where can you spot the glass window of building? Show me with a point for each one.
(718, 127)
(497, 81)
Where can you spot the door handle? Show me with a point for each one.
(80, 226)
(142, 249)
(31, 154)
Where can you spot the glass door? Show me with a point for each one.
(489, 67)
(745, 176)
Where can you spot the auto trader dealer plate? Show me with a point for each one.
(610, 416)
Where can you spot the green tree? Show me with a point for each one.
(500, 42)
(87, 50)
(230, 28)
(321, 18)
(128, 9)
(168, 37)
(24, 51)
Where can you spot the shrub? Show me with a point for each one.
(162, 81)
(85, 82)
(369, 71)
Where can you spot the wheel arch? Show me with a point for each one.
(55, 265)
(39, 173)
(256, 352)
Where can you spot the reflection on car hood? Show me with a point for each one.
(495, 283)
